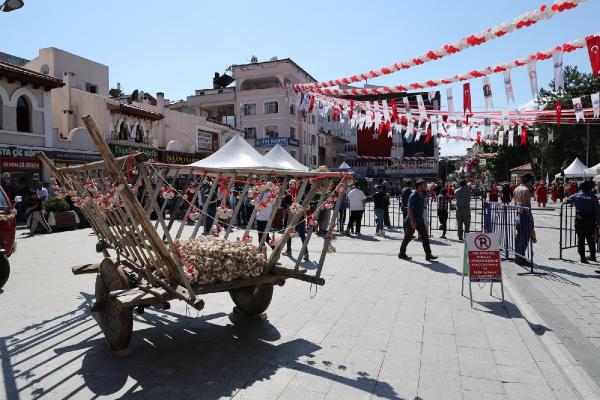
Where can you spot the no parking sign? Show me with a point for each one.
(481, 261)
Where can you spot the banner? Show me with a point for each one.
(559, 77)
(370, 143)
(596, 104)
(533, 84)
(500, 138)
(508, 87)
(467, 97)
(550, 135)
(487, 93)
(450, 99)
(578, 108)
(593, 45)
(558, 109)
(511, 137)
(421, 106)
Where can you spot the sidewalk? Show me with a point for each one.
(380, 328)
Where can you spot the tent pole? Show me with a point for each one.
(587, 150)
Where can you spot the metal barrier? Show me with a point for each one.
(475, 225)
(567, 234)
(515, 228)
(394, 211)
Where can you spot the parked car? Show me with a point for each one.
(8, 227)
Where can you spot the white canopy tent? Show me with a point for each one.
(575, 170)
(592, 171)
(236, 154)
(283, 160)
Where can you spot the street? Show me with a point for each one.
(380, 328)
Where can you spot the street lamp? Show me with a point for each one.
(12, 5)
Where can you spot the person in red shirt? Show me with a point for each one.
(554, 193)
(572, 189)
(541, 194)
(494, 192)
(450, 191)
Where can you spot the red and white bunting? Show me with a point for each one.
(524, 20)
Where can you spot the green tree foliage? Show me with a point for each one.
(570, 140)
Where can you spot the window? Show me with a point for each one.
(1, 108)
(292, 132)
(328, 118)
(123, 133)
(249, 109)
(312, 117)
(271, 107)
(314, 161)
(250, 133)
(23, 115)
(139, 134)
(90, 87)
(271, 131)
(292, 109)
(313, 140)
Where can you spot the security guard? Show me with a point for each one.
(587, 218)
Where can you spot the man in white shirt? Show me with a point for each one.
(357, 200)
(41, 191)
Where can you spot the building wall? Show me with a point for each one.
(9, 95)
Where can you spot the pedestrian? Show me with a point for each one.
(554, 192)
(37, 215)
(356, 200)
(463, 209)
(405, 194)
(587, 219)
(262, 216)
(415, 222)
(541, 195)
(386, 210)
(524, 223)
(211, 209)
(443, 202)
(572, 189)
(379, 201)
(342, 212)
(41, 191)
(561, 192)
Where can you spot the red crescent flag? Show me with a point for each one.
(467, 97)
(524, 137)
(478, 136)
(311, 104)
(593, 45)
(394, 110)
(558, 109)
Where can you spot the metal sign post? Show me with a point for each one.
(481, 261)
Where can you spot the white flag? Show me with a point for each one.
(578, 108)
(434, 125)
(519, 130)
(459, 128)
(487, 92)
(532, 79)
(431, 95)
(386, 110)
(511, 136)
(596, 104)
(550, 135)
(421, 105)
(500, 138)
(508, 87)
(505, 121)
(450, 100)
(536, 137)
(407, 108)
(559, 78)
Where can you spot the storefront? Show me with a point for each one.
(120, 150)
(174, 157)
(19, 169)
(65, 159)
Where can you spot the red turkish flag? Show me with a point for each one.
(593, 45)
(311, 104)
(558, 108)
(467, 97)
(394, 110)
(478, 136)
(524, 137)
(370, 143)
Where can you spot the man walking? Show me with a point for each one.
(415, 222)
(357, 200)
(405, 194)
(379, 200)
(463, 209)
(442, 211)
(587, 219)
(524, 223)
(37, 215)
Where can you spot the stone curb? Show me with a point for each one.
(581, 382)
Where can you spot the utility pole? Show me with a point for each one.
(587, 150)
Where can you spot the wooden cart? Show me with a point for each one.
(121, 198)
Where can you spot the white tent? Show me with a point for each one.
(344, 165)
(283, 160)
(236, 154)
(592, 171)
(575, 170)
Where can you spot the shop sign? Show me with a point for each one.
(173, 157)
(18, 152)
(207, 140)
(22, 164)
(63, 155)
(121, 150)
(270, 142)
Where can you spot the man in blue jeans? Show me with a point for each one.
(416, 222)
(379, 203)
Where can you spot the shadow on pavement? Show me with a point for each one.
(174, 356)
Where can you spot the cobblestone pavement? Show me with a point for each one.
(567, 297)
(379, 329)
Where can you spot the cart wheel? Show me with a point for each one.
(252, 300)
(4, 269)
(116, 322)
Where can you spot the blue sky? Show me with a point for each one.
(176, 46)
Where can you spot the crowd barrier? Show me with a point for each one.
(476, 224)
(515, 228)
(394, 212)
(568, 236)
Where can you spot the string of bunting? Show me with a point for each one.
(521, 21)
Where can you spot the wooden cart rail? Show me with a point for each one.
(127, 202)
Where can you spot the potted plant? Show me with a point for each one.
(58, 214)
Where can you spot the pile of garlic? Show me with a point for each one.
(209, 260)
